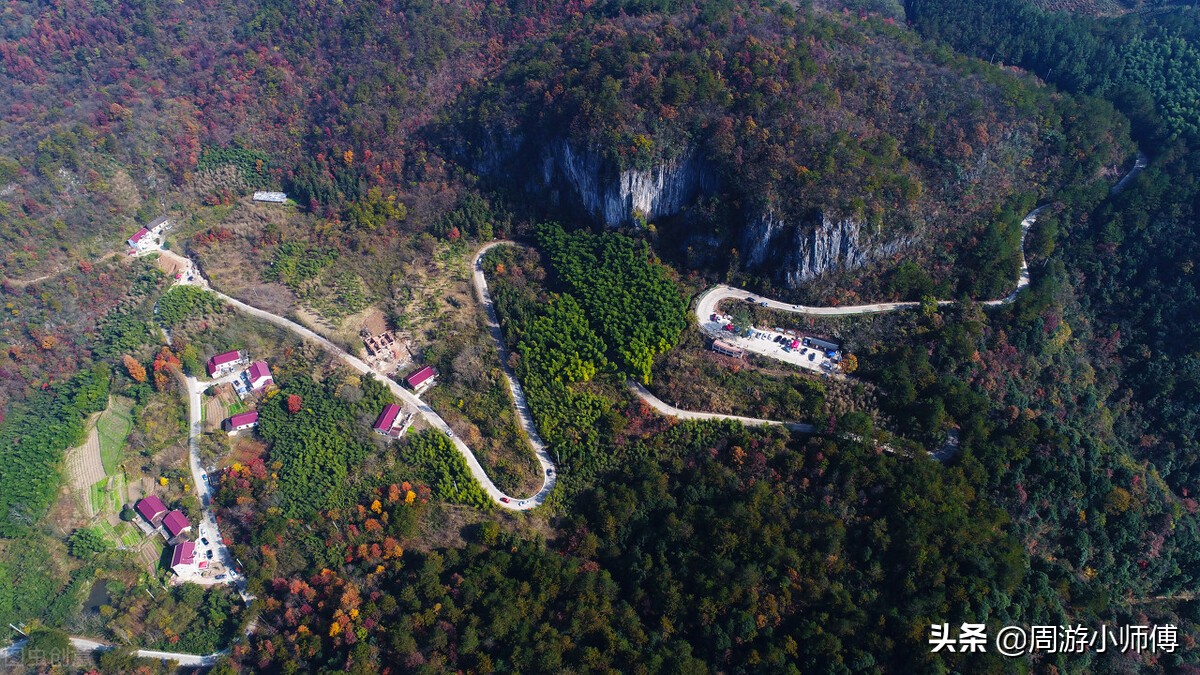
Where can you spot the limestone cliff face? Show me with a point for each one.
(794, 252)
(790, 250)
(618, 198)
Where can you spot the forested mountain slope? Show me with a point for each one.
(823, 154)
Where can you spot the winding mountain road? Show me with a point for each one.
(705, 305)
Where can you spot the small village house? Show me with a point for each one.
(723, 347)
(240, 421)
(152, 509)
(224, 363)
(258, 376)
(422, 379)
(146, 238)
(386, 422)
(183, 558)
(176, 523)
(141, 240)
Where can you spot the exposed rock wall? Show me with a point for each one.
(616, 198)
(799, 251)
(790, 250)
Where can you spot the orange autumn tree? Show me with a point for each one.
(136, 370)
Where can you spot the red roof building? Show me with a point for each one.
(387, 419)
(422, 377)
(259, 375)
(136, 240)
(152, 509)
(223, 362)
(240, 421)
(183, 556)
(176, 523)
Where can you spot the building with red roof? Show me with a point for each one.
(183, 557)
(140, 239)
(240, 421)
(424, 377)
(176, 523)
(387, 419)
(223, 363)
(259, 375)
(152, 509)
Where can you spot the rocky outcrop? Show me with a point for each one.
(799, 251)
(618, 198)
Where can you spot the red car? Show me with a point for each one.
(505, 500)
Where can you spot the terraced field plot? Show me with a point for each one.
(121, 534)
(84, 468)
(108, 495)
(113, 427)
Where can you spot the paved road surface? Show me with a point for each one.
(671, 411)
(88, 646)
(524, 416)
(707, 302)
(207, 528)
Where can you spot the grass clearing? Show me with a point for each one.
(113, 427)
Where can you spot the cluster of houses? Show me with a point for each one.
(174, 526)
(148, 237)
(255, 378)
(392, 421)
(252, 380)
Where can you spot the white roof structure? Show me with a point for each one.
(275, 197)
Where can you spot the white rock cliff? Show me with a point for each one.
(619, 198)
(790, 250)
(795, 252)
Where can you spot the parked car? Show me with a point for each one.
(750, 298)
(812, 356)
(204, 540)
(549, 472)
(209, 554)
(219, 577)
(763, 303)
(505, 500)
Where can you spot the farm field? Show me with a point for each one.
(113, 428)
(108, 494)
